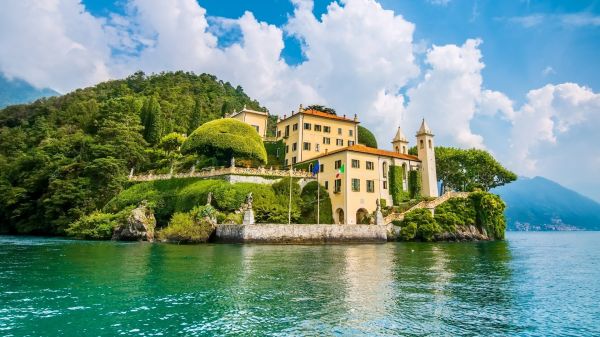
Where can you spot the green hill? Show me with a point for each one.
(63, 157)
(17, 91)
(541, 204)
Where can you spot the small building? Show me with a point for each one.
(256, 119)
(308, 134)
(356, 176)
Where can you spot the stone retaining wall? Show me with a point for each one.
(276, 233)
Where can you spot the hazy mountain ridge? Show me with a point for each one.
(17, 91)
(539, 204)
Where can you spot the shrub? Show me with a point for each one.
(408, 232)
(185, 228)
(97, 225)
(224, 139)
(366, 137)
(309, 205)
(396, 178)
(489, 213)
(455, 212)
(232, 218)
(425, 224)
(414, 184)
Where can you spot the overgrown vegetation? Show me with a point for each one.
(483, 210)
(64, 157)
(194, 226)
(97, 225)
(396, 182)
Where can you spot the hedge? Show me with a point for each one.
(309, 205)
(366, 137)
(414, 184)
(396, 177)
(226, 138)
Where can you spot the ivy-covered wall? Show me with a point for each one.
(396, 175)
(275, 154)
(414, 184)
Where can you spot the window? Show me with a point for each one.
(350, 142)
(310, 167)
(326, 185)
(403, 149)
(355, 185)
(339, 142)
(385, 185)
(293, 160)
(326, 129)
(294, 147)
(370, 186)
(355, 163)
(430, 144)
(278, 133)
(317, 127)
(306, 146)
(307, 126)
(286, 162)
(339, 131)
(421, 143)
(337, 186)
(350, 132)
(255, 127)
(370, 165)
(287, 148)
(338, 164)
(326, 140)
(322, 168)
(295, 127)
(384, 169)
(287, 131)
(317, 148)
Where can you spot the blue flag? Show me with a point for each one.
(315, 169)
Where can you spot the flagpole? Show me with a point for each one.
(290, 199)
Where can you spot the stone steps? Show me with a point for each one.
(429, 204)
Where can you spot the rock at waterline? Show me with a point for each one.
(139, 227)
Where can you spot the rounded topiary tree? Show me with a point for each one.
(366, 137)
(224, 139)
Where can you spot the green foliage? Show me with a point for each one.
(468, 170)
(66, 156)
(321, 108)
(275, 154)
(366, 137)
(414, 184)
(383, 202)
(309, 205)
(172, 142)
(97, 225)
(423, 221)
(455, 212)
(224, 139)
(489, 213)
(408, 231)
(396, 178)
(186, 228)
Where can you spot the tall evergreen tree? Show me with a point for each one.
(152, 121)
(196, 116)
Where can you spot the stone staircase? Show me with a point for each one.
(428, 204)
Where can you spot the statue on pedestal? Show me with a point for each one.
(378, 214)
(248, 212)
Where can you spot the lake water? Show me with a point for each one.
(534, 284)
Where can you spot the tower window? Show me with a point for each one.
(422, 144)
(385, 170)
(430, 144)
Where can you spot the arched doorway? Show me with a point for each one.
(362, 217)
(340, 216)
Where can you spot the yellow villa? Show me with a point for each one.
(256, 119)
(355, 176)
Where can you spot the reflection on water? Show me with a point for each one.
(534, 284)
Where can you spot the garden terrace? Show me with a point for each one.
(223, 171)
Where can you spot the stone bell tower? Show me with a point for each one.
(400, 143)
(426, 151)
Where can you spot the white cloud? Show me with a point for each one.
(580, 19)
(548, 71)
(439, 2)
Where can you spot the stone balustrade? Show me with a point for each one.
(428, 204)
(222, 171)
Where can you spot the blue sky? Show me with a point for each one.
(520, 79)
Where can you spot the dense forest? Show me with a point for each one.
(66, 156)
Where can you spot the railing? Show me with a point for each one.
(429, 204)
(221, 171)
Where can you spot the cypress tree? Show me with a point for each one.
(152, 121)
(196, 117)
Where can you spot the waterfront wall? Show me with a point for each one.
(295, 233)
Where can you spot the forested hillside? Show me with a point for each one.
(63, 157)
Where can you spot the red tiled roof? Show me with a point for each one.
(324, 115)
(370, 150)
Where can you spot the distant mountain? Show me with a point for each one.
(17, 91)
(541, 204)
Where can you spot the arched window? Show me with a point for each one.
(385, 169)
(430, 144)
(310, 167)
(397, 150)
(404, 149)
(422, 144)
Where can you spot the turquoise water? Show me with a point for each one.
(534, 284)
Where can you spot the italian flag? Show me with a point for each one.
(340, 171)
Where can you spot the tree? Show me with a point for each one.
(172, 142)
(467, 170)
(321, 108)
(366, 137)
(196, 116)
(224, 139)
(152, 120)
